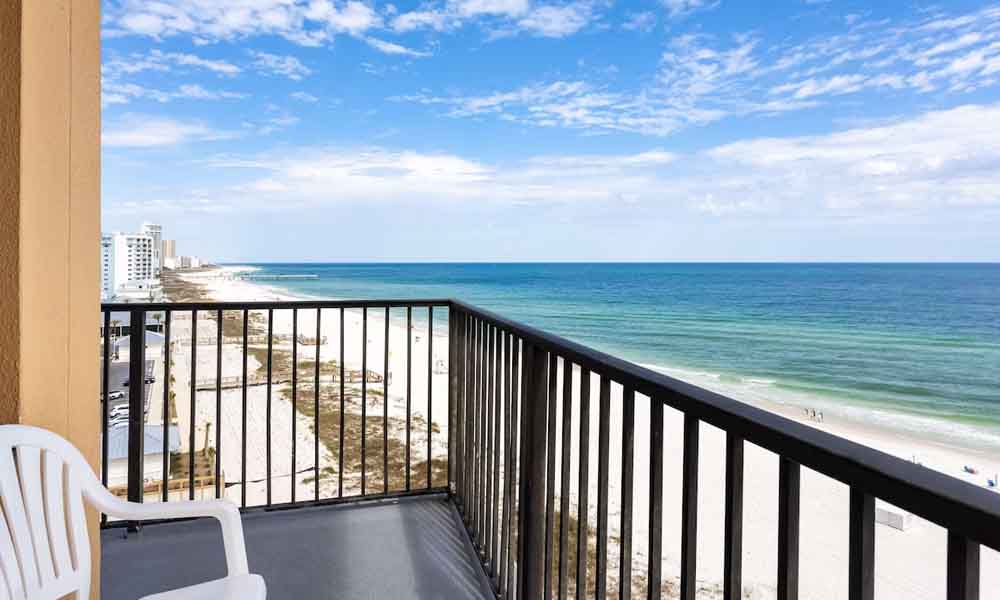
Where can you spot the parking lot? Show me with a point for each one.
(118, 375)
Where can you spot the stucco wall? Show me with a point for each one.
(50, 116)
(50, 223)
(10, 126)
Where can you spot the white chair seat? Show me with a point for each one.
(44, 549)
(239, 587)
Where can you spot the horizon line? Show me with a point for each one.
(584, 262)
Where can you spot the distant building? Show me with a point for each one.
(127, 266)
(169, 249)
(156, 232)
(107, 258)
(183, 262)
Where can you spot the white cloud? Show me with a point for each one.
(145, 131)
(641, 21)
(144, 23)
(559, 103)
(695, 85)
(501, 18)
(603, 163)
(316, 22)
(217, 66)
(941, 165)
(362, 173)
(122, 93)
(702, 79)
(682, 8)
(274, 64)
(199, 93)
(303, 22)
(276, 123)
(474, 8)
(940, 158)
(214, 20)
(115, 92)
(116, 69)
(928, 142)
(421, 19)
(557, 21)
(304, 97)
(393, 48)
(839, 84)
(157, 60)
(351, 17)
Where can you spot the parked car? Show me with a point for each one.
(118, 411)
(116, 395)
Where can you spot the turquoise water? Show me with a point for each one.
(911, 346)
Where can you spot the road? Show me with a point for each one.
(118, 374)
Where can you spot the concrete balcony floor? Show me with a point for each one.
(407, 548)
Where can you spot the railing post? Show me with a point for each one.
(963, 567)
(689, 509)
(136, 404)
(861, 560)
(531, 509)
(455, 414)
(788, 529)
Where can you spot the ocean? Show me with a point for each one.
(912, 347)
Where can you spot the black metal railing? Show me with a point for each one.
(509, 373)
(336, 399)
(511, 437)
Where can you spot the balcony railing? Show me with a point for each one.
(482, 409)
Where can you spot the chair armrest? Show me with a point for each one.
(222, 510)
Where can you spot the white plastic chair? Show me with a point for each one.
(44, 547)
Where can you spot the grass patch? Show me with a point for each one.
(375, 439)
(669, 586)
(232, 323)
(177, 289)
(282, 364)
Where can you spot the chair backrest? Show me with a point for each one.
(44, 546)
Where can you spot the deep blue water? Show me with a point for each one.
(914, 346)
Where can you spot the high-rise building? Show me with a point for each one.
(155, 232)
(127, 265)
(169, 249)
(107, 260)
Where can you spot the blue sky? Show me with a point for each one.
(555, 130)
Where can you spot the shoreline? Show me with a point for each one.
(876, 435)
(905, 444)
(777, 392)
(915, 571)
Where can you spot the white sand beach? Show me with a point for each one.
(281, 408)
(910, 563)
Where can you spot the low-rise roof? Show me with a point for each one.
(152, 444)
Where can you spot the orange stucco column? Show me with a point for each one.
(50, 113)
